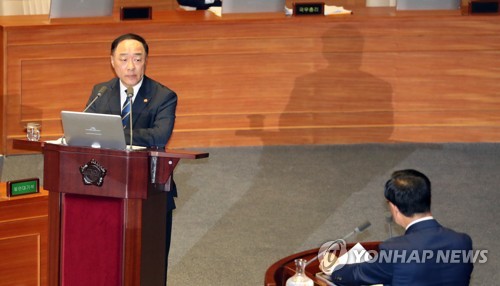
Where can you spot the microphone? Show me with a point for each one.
(358, 229)
(130, 94)
(323, 250)
(101, 91)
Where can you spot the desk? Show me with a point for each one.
(280, 271)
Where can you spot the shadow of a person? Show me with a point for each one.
(342, 102)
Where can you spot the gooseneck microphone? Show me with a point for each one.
(333, 245)
(100, 92)
(358, 229)
(130, 94)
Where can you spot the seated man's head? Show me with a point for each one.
(409, 195)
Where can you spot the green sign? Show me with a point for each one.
(309, 9)
(22, 187)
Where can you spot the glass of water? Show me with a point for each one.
(33, 131)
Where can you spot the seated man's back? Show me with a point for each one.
(427, 254)
(434, 256)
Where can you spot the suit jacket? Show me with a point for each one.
(153, 111)
(412, 263)
(153, 114)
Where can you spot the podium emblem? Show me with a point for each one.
(93, 173)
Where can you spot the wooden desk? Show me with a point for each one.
(281, 270)
(23, 238)
(375, 76)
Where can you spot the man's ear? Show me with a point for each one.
(391, 206)
(394, 210)
(112, 61)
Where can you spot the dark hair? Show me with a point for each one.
(410, 191)
(129, 36)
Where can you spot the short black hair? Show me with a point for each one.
(129, 36)
(410, 191)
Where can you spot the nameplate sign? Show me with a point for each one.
(303, 9)
(23, 187)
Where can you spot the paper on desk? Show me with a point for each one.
(59, 141)
(329, 10)
(336, 10)
(216, 10)
(356, 254)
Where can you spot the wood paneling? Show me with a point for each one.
(23, 239)
(156, 4)
(253, 80)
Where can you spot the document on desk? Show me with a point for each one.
(356, 254)
(329, 10)
(59, 141)
(336, 10)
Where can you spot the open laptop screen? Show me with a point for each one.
(253, 6)
(80, 8)
(93, 130)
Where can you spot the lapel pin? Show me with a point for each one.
(145, 100)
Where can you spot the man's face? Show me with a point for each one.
(129, 62)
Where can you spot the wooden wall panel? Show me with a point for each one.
(20, 263)
(156, 4)
(291, 80)
(23, 239)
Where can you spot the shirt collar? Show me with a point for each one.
(123, 88)
(419, 220)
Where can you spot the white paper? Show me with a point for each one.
(356, 254)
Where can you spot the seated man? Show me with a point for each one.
(425, 255)
(200, 4)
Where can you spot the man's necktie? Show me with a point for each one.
(126, 112)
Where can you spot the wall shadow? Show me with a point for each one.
(341, 96)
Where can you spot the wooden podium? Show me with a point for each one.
(107, 214)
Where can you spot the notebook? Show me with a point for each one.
(253, 6)
(80, 8)
(93, 130)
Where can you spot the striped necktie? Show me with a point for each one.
(126, 112)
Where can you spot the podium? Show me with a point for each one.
(107, 214)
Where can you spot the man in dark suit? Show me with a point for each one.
(153, 108)
(427, 254)
(153, 105)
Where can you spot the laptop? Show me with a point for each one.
(253, 6)
(428, 5)
(80, 8)
(93, 130)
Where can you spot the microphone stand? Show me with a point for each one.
(99, 93)
(92, 102)
(358, 229)
(130, 117)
